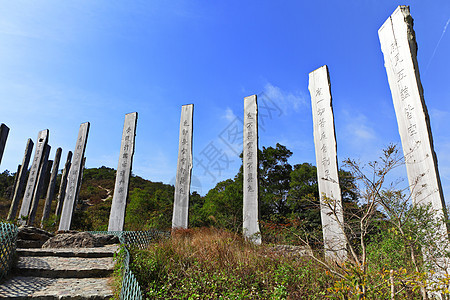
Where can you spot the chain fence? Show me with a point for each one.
(141, 239)
(8, 239)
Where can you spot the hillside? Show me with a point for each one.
(150, 201)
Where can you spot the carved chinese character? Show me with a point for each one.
(325, 161)
(397, 59)
(249, 154)
(404, 93)
(394, 47)
(250, 177)
(400, 75)
(320, 111)
(412, 130)
(408, 111)
(322, 122)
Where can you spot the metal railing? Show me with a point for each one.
(130, 289)
(8, 244)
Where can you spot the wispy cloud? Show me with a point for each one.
(359, 127)
(229, 115)
(287, 101)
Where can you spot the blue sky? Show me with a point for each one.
(67, 62)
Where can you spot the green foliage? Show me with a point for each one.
(149, 203)
(223, 205)
(274, 180)
(6, 183)
(149, 208)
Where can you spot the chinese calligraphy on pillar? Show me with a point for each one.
(63, 185)
(184, 168)
(21, 181)
(327, 169)
(51, 187)
(117, 214)
(250, 165)
(73, 178)
(33, 176)
(399, 48)
(39, 185)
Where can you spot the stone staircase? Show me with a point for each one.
(61, 273)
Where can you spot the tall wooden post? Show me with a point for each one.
(184, 169)
(119, 202)
(331, 211)
(250, 165)
(21, 181)
(74, 176)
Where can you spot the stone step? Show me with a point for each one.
(56, 288)
(64, 267)
(107, 251)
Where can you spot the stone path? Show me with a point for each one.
(64, 273)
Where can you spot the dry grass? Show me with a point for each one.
(209, 263)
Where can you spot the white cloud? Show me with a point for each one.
(287, 101)
(359, 127)
(229, 114)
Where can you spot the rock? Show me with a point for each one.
(32, 237)
(72, 240)
(33, 233)
(80, 240)
(107, 239)
(289, 250)
(29, 244)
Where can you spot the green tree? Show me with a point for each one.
(223, 205)
(303, 197)
(274, 178)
